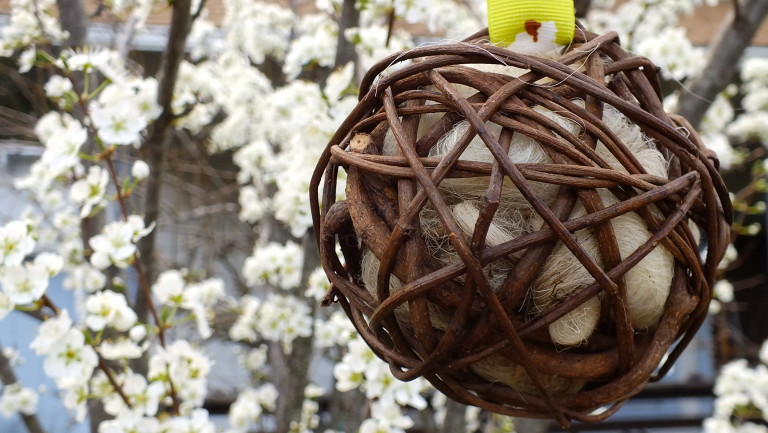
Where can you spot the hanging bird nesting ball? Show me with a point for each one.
(531, 234)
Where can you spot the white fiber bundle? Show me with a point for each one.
(562, 276)
(647, 283)
(497, 368)
(370, 271)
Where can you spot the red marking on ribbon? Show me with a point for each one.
(532, 28)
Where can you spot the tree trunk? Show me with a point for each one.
(736, 33)
(582, 7)
(347, 411)
(526, 425)
(291, 371)
(72, 19)
(8, 377)
(455, 417)
(345, 50)
(156, 143)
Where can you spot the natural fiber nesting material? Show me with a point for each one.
(647, 283)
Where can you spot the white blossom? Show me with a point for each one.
(115, 243)
(70, 359)
(118, 123)
(51, 332)
(57, 86)
(107, 308)
(169, 288)
(186, 366)
(16, 398)
(139, 170)
(89, 191)
(24, 284)
(317, 285)
(281, 318)
(276, 264)
(250, 405)
(27, 59)
(16, 241)
(137, 333)
(144, 397)
(122, 348)
(129, 422)
(256, 358)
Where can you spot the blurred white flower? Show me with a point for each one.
(144, 397)
(139, 170)
(121, 348)
(114, 245)
(137, 333)
(89, 191)
(129, 422)
(16, 398)
(16, 241)
(275, 264)
(24, 284)
(169, 288)
(27, 59)
(724, 291)
(107, 308)
(70, 359)
(50, 332)
(118, 123)
(57, 86)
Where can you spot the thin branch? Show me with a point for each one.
(199, 10)
(736, 33)
(155, 143)
(113, 381)
(125, 36)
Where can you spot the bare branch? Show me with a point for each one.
(199, 11)
(125, 36)
(157, 140)
(735, 35)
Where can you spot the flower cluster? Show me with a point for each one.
(250, 405)
(69, 360)
(741, 397)
(172, 290)
(16, 398)
(30, 22)
(279, 318)
(186, 367)
(196, 422)
(115, 245)
(753, 125)
(278, 265)
(360, 368)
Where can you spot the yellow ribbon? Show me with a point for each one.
(510, 20)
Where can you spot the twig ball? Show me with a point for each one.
(530, 234)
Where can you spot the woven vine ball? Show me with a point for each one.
(530, 234)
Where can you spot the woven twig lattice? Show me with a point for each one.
(386, 195)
